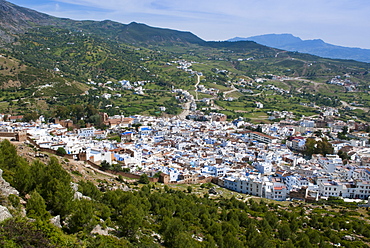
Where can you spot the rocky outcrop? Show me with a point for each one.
(4, 213)
(78, 195)
(5, 188)
(98, 229)
(56, 221)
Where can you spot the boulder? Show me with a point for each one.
(99, 230)
(4, 214)
(56, 221)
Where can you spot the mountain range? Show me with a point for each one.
(16, 20)
(316, 47)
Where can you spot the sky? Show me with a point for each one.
(338, 22)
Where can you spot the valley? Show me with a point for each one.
(126, 135)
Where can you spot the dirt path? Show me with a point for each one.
(186, 105)
(345, 104)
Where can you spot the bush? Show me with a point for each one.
(61, 151)
(144, 179)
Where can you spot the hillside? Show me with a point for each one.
(108, 211)
(15, 20)
(63, 62)
(316, 47)
(67, 69)
(271, 40)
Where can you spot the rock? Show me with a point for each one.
(77, 195)
(349, 238)
(212, 191)
(99, 230)
(74, 186)
(56, 221)
(124, 188)
(5, 188)
(4, 214)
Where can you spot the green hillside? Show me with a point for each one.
(153, 215)
(66, 54)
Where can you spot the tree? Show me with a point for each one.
(173, 228)
(231, 240)
(318, 147)
(189, 189)
(82, 218)
(343, 155)
(105, 165)
(16, 232)
(8, 155)
(284, 232)
(310, 147)
(318, 133)
(36, 207)
(97, 120)
(130, 220)
(61, 151)
(22, 177)
(144, 178)
(87, 188)
(55, 188)
(33, 116)
(185, 240)
(59, 197)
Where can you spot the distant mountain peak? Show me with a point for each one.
(271, 40)
(316, 47)
(15, 19)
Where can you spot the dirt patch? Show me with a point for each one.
(10, 84)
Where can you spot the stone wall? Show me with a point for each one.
(18, 136)
(48, 150)
(124, 174)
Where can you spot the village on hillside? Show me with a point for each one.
(265, 160)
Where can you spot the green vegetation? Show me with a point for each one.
(61, 151)
(153, 216)
(322, 147)
(53, 64)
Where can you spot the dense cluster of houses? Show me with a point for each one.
(266, 163)
(346, 83)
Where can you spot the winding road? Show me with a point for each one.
(186, 105)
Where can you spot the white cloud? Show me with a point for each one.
(57, 7)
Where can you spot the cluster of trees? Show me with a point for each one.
(320, 99)
(50, 181)
(343, 135)
(116, 167)
(160, 217)
(321, 146)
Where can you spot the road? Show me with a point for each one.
(186, 105)
(345, 104)
(196, 87)
(230, 91)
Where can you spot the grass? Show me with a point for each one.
(10, 66)
(201, 95)
(235, 94)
